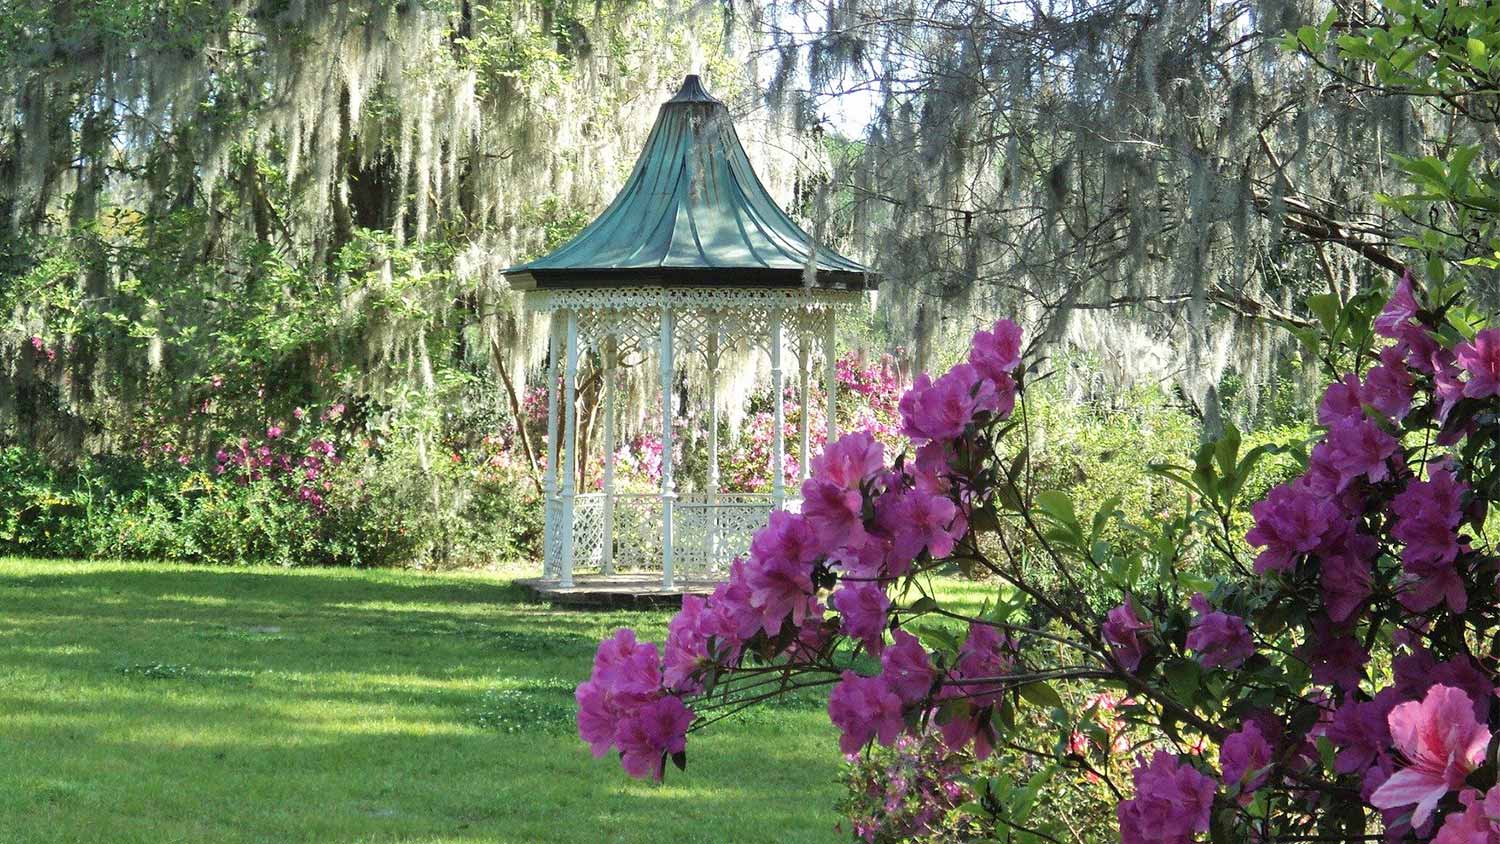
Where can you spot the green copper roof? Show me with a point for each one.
(692, 213)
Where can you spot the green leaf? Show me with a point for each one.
(1183, 676)
(1058, 506)
(1041, 694)
(1227, 449)
(1106, 511)
(1325, 307)
(923, 604)
(1325, 752)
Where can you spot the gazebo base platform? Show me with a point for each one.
(616, 591)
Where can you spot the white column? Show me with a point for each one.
(713, 442)
(804, 339)
(778, 418)
(831, 373)
(608, 552)
(570, 440)
(668, 492)
(549, 478)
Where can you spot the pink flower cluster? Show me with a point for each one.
(1315, 526)
(1172, 803)
(623, 705)
(1379, 542)
(40, 348)
(299, 470)
(909, 792)
(862, 525)
(1413, 743)
(1221, 639)
(1122, 631)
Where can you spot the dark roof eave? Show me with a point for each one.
(705, 277)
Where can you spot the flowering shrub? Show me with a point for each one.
(298, 469)
(1337, 681)
(867, 392)
(315, 488)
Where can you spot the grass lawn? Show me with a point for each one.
(159, 703)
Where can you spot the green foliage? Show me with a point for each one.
(1437, 56)
(557, 221)
(1095, 464)
(380, 509)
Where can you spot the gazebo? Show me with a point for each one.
(692, 258)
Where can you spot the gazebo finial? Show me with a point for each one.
(692, 91)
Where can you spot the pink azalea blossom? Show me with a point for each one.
(985, 655)
(940, 410)
(1360, 731)
(850, 461)
(1289, 522)
(779, 588)
(596, 718)
(1427, 517)
(1359, 448)
(965, 726)
(1334, 656)
(863, 608)
(1243, 757)
(778, 576)
(1398, 321)
(625, 666)
(1441, 743)
(1122, 630)
(1221, 639)
(786, 536)
(1347, 557)
(835, 513)
(625, 677)
(1172, 803)
(1480, 358)
(1389, 386)
(686, 648)
(650, 732)
(929, 468)
(906, 668)
(1478, 823)
(918, 521)
(729, 614)
(1341, 400)
(1399, 310)
(997, 353)
(864, 708)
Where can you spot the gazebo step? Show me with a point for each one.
(618, 591)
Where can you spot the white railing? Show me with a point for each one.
(708, 531)
(711, 530)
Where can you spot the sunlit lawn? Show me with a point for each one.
(157, 703)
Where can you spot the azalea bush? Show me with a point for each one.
(865, 399)
(323, 486)
(1327, 674)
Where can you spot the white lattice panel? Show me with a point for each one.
(588, 530)
(638, 532)
(709, 532)
(634, 329)
(552, 554)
